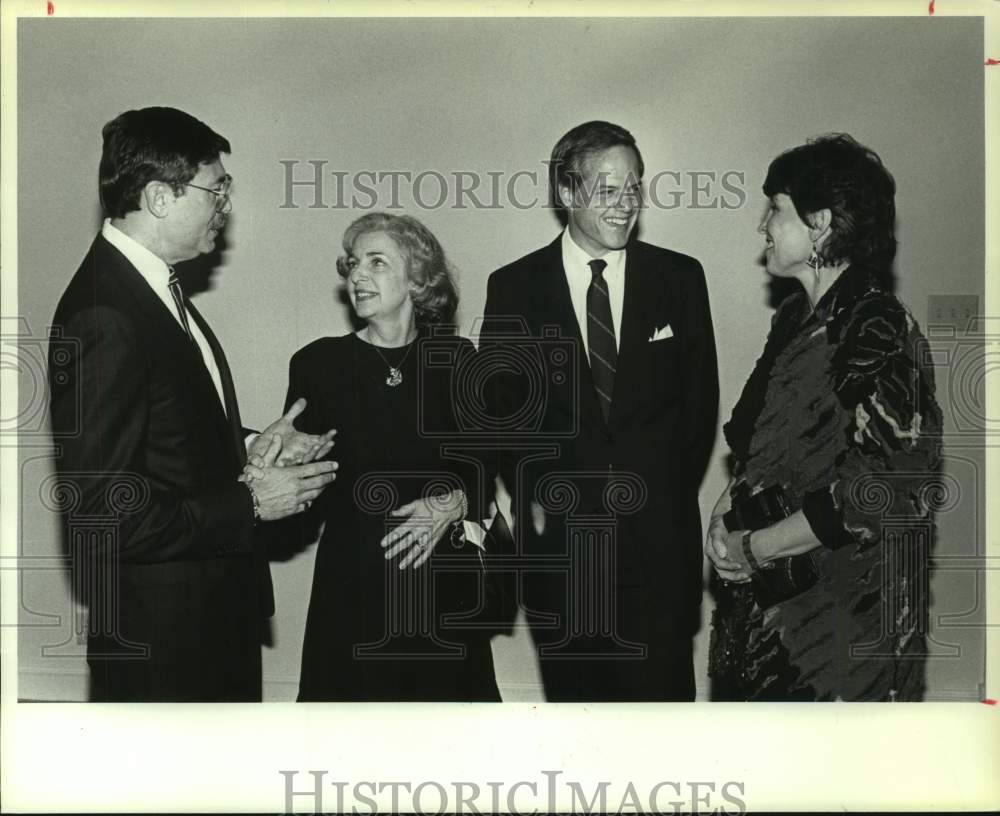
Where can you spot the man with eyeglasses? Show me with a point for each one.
(151, 445)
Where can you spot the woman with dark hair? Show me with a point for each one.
(396, 584)
(823, 536)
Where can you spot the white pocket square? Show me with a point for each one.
(662, 334)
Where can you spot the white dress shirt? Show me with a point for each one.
(157, 274)
(578, 276)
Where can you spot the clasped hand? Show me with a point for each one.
(281, 470)
(296, 447)
(725, 550)
(425, 522)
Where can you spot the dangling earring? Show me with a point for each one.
(815, 263)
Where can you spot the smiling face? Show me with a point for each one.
(604, 207)
(194, 219)
(789, 240)
(377, 283)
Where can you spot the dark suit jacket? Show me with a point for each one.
(177, 589)
(658, 437)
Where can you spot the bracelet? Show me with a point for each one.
(465, 507)
(748, 552)
(256, 501)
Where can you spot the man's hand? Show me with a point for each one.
(425, 524)
(283, 491)
(297, 448)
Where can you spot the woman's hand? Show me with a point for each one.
(426, 521)
(725, 551)
(717, 546)
(736, 556)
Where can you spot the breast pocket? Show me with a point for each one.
(662, 352)
(660, 369)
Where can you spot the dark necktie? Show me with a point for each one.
(601, 337)
(178, 296)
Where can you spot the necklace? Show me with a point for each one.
(395, 376)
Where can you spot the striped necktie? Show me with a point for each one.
(601, 336)
(178, 295)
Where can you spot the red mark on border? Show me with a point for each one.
(989, 701)
(991, 61)
(50, 8)
(930, 8)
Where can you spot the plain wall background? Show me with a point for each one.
(493, 96)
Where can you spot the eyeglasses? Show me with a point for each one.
(221, 194)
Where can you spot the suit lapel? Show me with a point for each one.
(558, 308)
(643, 293)
(637, 292)
(128, 278)
(228, 389)
(184, 354)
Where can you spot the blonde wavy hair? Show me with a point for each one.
(435, 298)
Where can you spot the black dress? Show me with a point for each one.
(840, 412)
(375, 632)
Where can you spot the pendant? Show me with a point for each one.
(395, 377)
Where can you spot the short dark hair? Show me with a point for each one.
(578, 145)
(436, 298)
(837, 173)
(152, 144)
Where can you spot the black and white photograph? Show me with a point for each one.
(400, 400)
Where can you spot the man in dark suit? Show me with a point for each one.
(150, 438)
(608, 435)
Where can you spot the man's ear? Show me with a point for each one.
(157, 195)
(566, 196)
(819, 225)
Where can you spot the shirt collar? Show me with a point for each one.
(580, 259)
(150, 266)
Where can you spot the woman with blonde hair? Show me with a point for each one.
(396, 583)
